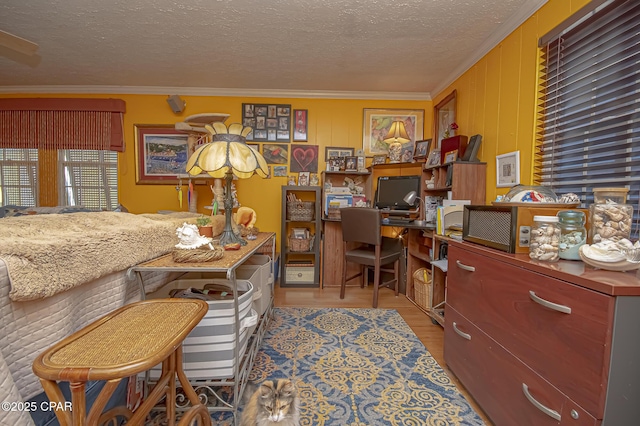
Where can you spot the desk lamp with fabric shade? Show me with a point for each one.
(411, 198)
(226, 156)
(395, 138)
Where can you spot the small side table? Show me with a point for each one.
(126, 342)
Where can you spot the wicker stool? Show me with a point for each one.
(125, 342)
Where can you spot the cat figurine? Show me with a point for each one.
(274, 403)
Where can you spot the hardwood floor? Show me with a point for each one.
(431, 335)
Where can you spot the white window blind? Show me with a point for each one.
(88, 178)
(18, 177)
(589, 135)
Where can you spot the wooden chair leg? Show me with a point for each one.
(363, 279)
(396, 272)
(376, 282)
(343, 284)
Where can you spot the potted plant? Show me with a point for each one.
(204, 226)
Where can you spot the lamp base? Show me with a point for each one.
(395, 152)
(228, 236)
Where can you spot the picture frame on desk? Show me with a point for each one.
(434, 158)
(451, 156)
(379, 159)
(422, 149)
(351, 164)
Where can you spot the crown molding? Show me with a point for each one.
(202, 91)
(516, 20)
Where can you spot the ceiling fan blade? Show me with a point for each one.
(18, 44)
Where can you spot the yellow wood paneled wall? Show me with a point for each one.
(332, 122)
(496, 97)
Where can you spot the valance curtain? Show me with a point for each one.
(56, 123)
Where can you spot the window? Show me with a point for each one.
(88, 178)
(18, 177)
(590, 127)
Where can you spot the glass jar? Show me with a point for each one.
(610, 222)
(545, 238)
(573, 233)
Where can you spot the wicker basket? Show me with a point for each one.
(301, 244)
(422, 287)
(301, 210)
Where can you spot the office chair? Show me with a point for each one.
(362, 226)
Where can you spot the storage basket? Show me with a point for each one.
(422, 287)
(208, 351)
(301, 210)
(301, 244)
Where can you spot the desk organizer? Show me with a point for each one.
(208, 351)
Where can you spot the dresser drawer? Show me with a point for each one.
(497, 379)
(560, 330)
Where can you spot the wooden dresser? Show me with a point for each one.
(543, 344)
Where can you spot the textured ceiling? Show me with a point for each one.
(142, 46)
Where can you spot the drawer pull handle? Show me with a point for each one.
(460, 332)
(465, 267)
(560, 308)
(548, 411)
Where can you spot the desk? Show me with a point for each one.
(125, 342)
(228, 264)
(333, 252)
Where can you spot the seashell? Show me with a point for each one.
(607, 232)
(611, 224)
(549, 256)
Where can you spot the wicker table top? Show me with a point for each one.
(125, 342)
(230, 260)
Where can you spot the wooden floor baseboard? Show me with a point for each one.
(431, 335)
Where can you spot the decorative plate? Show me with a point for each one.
(621, 265)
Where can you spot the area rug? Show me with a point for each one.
(356, 367)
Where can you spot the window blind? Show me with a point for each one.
(88, 178)
(18, 177)
(589, 122)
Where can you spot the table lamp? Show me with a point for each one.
(411, 198)
(395, 138)
(226, 156)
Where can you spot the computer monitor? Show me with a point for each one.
(392, 189)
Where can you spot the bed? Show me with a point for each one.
(60, 272)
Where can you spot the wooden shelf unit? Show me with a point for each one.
(465, 181)
(300, 276)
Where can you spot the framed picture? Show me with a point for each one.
(379, 159)
(275, 153)
(422, 149)
(269, 122)
(304, 158)
(280, 171)
(335, 164)
(508, 169)
(444, 115)
(336, 151)
(434, 158)
(303, 178)
(350, 164)
(161, 153)
(291, 180)
(451, 156)
(376, 125)
(300, 124)
(254, 146)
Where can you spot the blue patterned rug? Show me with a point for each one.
(359, 367)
